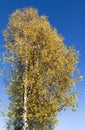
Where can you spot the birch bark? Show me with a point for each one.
(25, 121)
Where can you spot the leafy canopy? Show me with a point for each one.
(51, 76)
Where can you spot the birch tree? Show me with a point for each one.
(43, 75)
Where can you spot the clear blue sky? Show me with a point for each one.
(68, 16)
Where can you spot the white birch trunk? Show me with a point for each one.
(25, 121)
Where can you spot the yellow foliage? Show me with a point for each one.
(51, 64)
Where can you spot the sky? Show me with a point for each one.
(68, 17)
